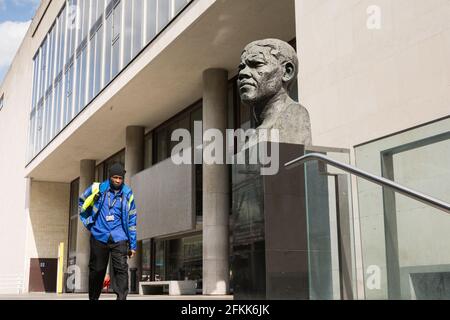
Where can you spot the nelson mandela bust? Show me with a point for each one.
(267, 70)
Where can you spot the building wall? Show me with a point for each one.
(14, 116)
(166, 204)
(174, 88)
(359, 83)
(48, 221)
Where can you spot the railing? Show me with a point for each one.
(394, 282)
(426, 199)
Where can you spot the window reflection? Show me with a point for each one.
(175, 259)
(74, 64)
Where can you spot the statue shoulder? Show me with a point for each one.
(296, 108)
(295, 112)
(295, 125)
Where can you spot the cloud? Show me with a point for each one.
(11, 36)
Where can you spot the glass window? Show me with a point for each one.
(74, 62)
(146, 260)
(35, 80)
(40, 111)
(99, 173)
(119, 157)
(98, 60)
(148, 150)
(179, 5)
(85, 20)
(38, 76)
(58, 105)
(101, 7)
(115, 58)
(50, 90)
(161, 145)
(183, 123)
(137, 26)
(33, 132)
(69, 96)
(179, 259)
(92, 55)
(408, 241)
(151, 20)
(47, 117)
(30, 135)
(163, 13)
(77, 80)
(73, 217)
(160, 272)
(117, 16)
(82, 84)
(51, 58)
(59, 100)
(128, 29)
(80, 93)
(72, 28)
(43, 71)
(117, 24)
(163, 134)
(93, 15)
(197, 115)
(107, 62)
(62, 39)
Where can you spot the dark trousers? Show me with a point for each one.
(98, 263)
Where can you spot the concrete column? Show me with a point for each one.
(87, 177)
(134, 151)
(215, 189)
(134, 163)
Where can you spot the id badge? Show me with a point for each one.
(109, 218)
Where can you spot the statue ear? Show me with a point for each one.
(289, 71)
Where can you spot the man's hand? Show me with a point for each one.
(131, 253)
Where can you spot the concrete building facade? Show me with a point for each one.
(100, 81)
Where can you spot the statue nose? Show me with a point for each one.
(244, 74)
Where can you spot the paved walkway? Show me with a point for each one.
(72, 296)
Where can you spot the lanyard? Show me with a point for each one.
(114, 201)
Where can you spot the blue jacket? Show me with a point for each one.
(92, 200)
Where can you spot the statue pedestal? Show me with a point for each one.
(270, 233)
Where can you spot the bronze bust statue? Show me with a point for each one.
(267, 71)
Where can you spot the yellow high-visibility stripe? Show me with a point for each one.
(90, 200)
(133, 212)
(132, 228)
(129, 201)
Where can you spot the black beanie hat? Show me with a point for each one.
(117, 169)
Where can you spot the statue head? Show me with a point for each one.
(268, 68)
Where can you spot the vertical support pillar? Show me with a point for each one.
(87, 177)
(134, 163)
(344, 236)
(215, 189)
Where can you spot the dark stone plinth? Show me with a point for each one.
(270, 239)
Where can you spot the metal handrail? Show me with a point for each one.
(438, 204)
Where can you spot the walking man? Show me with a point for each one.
(108, 211)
